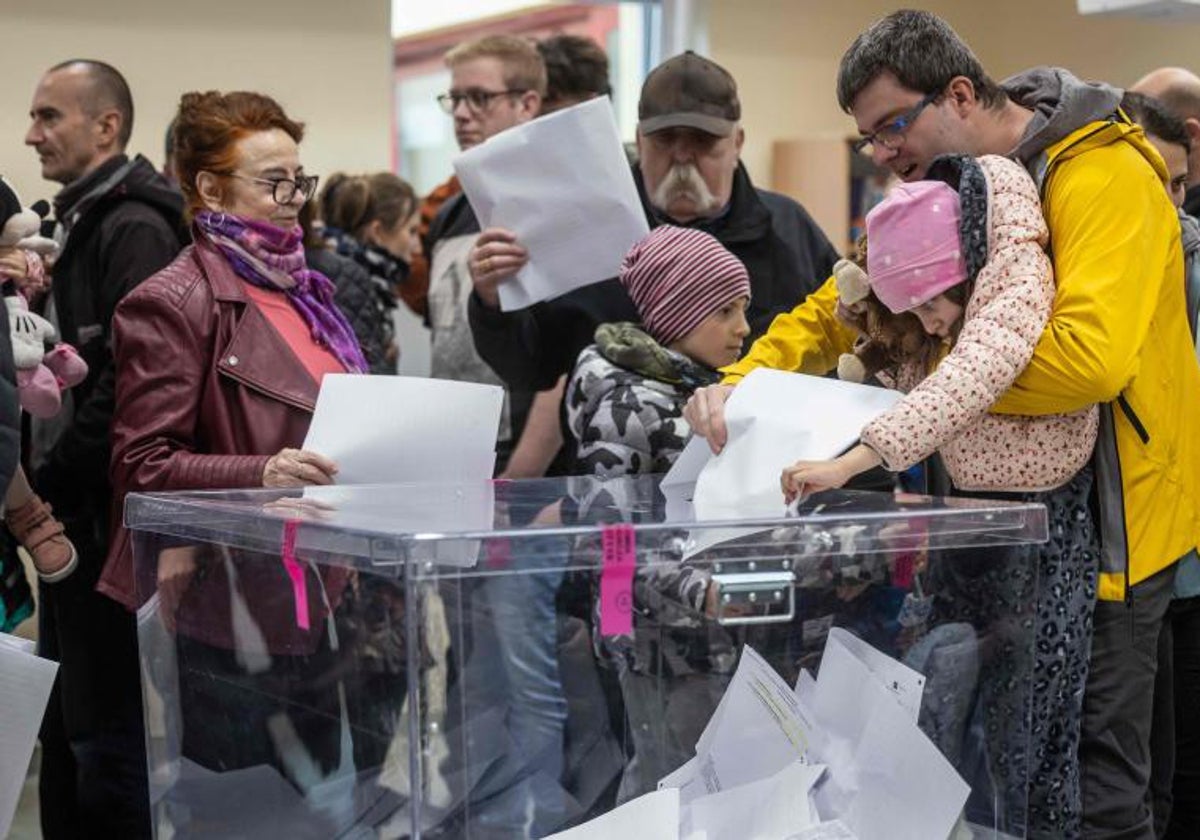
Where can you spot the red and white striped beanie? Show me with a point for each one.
(677, 277)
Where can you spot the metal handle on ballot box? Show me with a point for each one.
(754, 597)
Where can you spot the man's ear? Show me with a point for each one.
(961, 94)
(531, 104)
(739, 138)
(1193, 130)
(108, 130)
(210, 190)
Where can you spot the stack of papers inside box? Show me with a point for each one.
(839, 757)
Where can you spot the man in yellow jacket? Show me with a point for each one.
(1118, 336)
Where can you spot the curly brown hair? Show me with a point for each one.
(901, 336)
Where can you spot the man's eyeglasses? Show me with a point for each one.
(284, 190)
(891, 136)
(477, 100)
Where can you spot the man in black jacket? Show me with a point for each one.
(689, 173)
(118, 222)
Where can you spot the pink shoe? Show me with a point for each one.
(65, 362)
(38, 391)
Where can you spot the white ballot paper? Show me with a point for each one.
(846, 662)
(563, 185)
(400, 429)
(654, 816)
(25, 681)
(773, 418)
(769, 809)
(758, 729)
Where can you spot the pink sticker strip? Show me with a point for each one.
(296, 572)
(616, 580)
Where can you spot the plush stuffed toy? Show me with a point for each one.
(869, 356)
(41, 375)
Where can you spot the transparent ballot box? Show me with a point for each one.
(512, 659)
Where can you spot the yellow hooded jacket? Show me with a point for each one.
(1118, 336)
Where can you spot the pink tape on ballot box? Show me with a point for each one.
(616, 580)
(295, 572)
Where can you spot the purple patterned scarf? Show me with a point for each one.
(273, 258)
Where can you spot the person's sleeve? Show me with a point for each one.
(155, 434)
(1106, 215)
(133, 250)
(808, 339)
(511, 344)
(1015, 291)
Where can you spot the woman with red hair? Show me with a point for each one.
(219, 358)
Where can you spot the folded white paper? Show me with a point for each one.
(563, 185)
(399, 429)
(25, 682)
(654, 816)
(847, 661)
(773, 418)
(768, 809)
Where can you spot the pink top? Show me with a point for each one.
(317, 360)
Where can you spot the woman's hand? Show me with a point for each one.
(805, 477)
(298, 468)
(495, 257)
(176, 568)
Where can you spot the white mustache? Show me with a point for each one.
(683, 181)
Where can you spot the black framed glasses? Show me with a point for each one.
(891, 135)
(284, 190)
(477, 100)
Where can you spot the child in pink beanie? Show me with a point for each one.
(962, 260)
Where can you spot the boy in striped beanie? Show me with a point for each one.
(626, 395)
(625, 409)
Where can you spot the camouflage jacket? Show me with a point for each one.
(625, 409)
(625, 403)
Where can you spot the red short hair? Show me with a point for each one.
(208, 127)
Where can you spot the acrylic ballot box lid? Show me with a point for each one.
(505, 659)
(371, 526)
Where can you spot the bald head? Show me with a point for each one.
(104, 88)
(1175, 87)
(1178, 89)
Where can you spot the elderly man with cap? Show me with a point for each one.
(689, 174)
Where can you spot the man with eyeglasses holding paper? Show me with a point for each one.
(118, 221)
(496, 82)
(1118, 335)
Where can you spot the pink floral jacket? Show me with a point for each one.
(947, 410)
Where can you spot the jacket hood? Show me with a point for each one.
(118, 179)
(629, 346)
(1061, 104)
(1189, 233)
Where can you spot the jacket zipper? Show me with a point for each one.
(1133, 419)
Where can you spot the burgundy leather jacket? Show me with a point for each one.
(207, 391)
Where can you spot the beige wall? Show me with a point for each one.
(328, 63)
(784, 53)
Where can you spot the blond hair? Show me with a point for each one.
(522, 63)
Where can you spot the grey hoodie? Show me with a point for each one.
(1061, 103)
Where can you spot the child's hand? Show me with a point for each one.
(24, 268)
(805, 477)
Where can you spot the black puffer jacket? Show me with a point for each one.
(122, 222)
(782, 248)
(356, 296)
